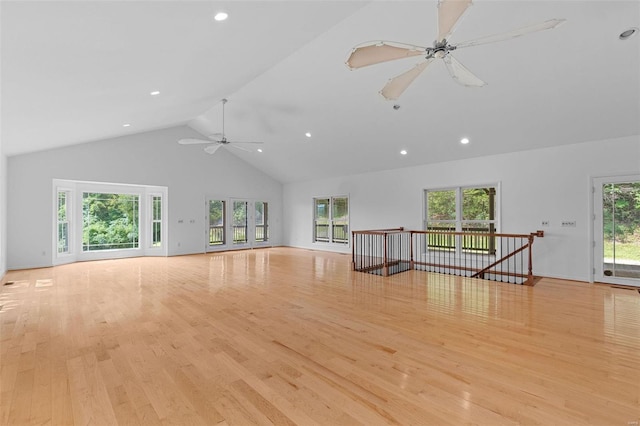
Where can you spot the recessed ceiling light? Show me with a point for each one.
(464, 141)
(403, 152)
(154, 93)
(259, 149)
(126, 125)
(308, 134)
(627, 34)
(221, 16)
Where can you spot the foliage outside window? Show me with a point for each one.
(240, 222)
(63, 222)
(216, 222)
(331, 220)
(469, 210)
(110, 221)
(262, 221)
(621, 221)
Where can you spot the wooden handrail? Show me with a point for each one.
(474, 234)
(455, 255)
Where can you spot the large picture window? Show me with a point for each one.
(94, 220)
(331, 220)
(110, 221)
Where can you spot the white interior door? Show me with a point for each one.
(617, 230)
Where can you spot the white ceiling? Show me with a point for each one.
(75, 72)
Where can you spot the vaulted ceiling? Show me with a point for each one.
(75, 72)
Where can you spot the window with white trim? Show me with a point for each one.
(262, 221)
(462, 209)
(156, 221)
(63, 213)
(331, 219)
(93, 220)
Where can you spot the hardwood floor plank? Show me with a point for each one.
(288, 336)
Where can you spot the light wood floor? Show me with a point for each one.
(286, 336)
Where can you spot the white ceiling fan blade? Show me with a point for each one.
(381, 51)
(449, 13)
(547, 25)
(395, 86)
(461, 74)
(246, 142)
(190, 141)
(212, 148)
(238, 147)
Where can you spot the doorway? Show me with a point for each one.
(237, 223)
(617, 230)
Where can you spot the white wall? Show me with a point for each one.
(3, 213)
(152, 158)
(548, 184)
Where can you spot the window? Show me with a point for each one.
(63, 221)
(331, 220)
(240, 222)
(93, 220)
(156, 221)
(262, 221)
(110, 221)
(216, 222)
(471, 210)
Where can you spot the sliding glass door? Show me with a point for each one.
(617, 230)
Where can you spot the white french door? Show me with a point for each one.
(236, 223)
(617, 230)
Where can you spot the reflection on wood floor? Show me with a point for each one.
(290, 336)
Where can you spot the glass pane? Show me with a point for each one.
(216, 222)
(478, 203)
(63, 223)
(441, 205)
(239, 222)
(321, 225)
(340, 216)
(322, 209)
(62, 206)
(479, 243)
(262, 230)
(157, 208)
(110, 221)
(441, 241)
(63, 237)
(157, 237)
(621, 229)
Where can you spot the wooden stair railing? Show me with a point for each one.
(390, 251)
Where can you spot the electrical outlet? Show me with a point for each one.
(545, 223)
(568, 223)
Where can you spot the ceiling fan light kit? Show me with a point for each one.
(449, 15)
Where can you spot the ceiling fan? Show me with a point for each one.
(216, 142)
(449, 14)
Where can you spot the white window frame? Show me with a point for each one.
(150, 220)
(459, 222)
(331, 238)
(265, 224)
(69, 216)
(228, 224)
(75, 191)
